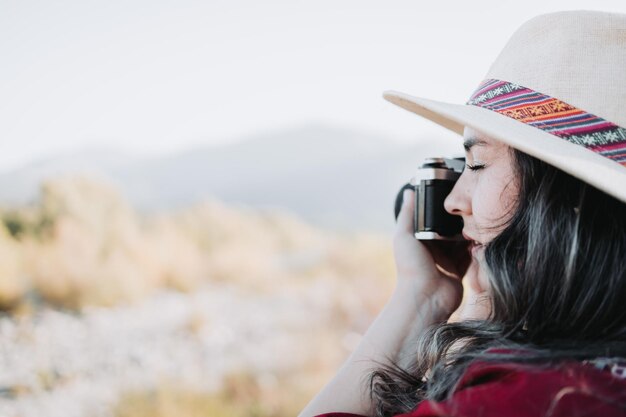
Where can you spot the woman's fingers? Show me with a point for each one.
(451, 258)
(416, 265)
(412, 257)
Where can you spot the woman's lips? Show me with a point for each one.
(474, 245)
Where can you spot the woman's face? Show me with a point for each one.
(484, 196)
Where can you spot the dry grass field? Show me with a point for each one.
(81, 246)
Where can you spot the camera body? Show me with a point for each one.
(432, 183)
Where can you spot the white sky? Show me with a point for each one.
(151, 76)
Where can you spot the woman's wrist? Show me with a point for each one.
(391, 337)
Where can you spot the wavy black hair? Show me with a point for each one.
(558, 285)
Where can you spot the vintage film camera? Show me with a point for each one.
(432, 183)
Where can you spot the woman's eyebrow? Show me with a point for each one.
(469, 142)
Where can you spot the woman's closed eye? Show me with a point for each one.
(475, 167)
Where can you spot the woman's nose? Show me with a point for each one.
(458, 202)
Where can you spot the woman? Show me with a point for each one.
(543, 202)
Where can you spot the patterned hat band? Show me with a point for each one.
(553, 116)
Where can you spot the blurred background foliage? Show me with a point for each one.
(81, 245)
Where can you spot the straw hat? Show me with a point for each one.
(557, 92)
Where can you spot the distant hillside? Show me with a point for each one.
(334, 178)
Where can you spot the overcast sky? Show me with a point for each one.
(151, 76)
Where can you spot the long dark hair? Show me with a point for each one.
(558, 285)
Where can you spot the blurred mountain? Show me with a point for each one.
(334, 178)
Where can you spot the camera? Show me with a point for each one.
(432, 183)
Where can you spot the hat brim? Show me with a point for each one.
(601, 172)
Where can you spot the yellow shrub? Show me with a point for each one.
(13, 282)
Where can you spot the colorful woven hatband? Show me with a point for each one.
(553, 116)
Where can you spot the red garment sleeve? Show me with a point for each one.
(521, 390)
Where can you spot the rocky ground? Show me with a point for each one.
(65, 364)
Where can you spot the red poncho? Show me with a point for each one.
(523, 390)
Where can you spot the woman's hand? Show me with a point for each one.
(431, 269)
(429, 289)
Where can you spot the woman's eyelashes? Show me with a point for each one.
(476, 166)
